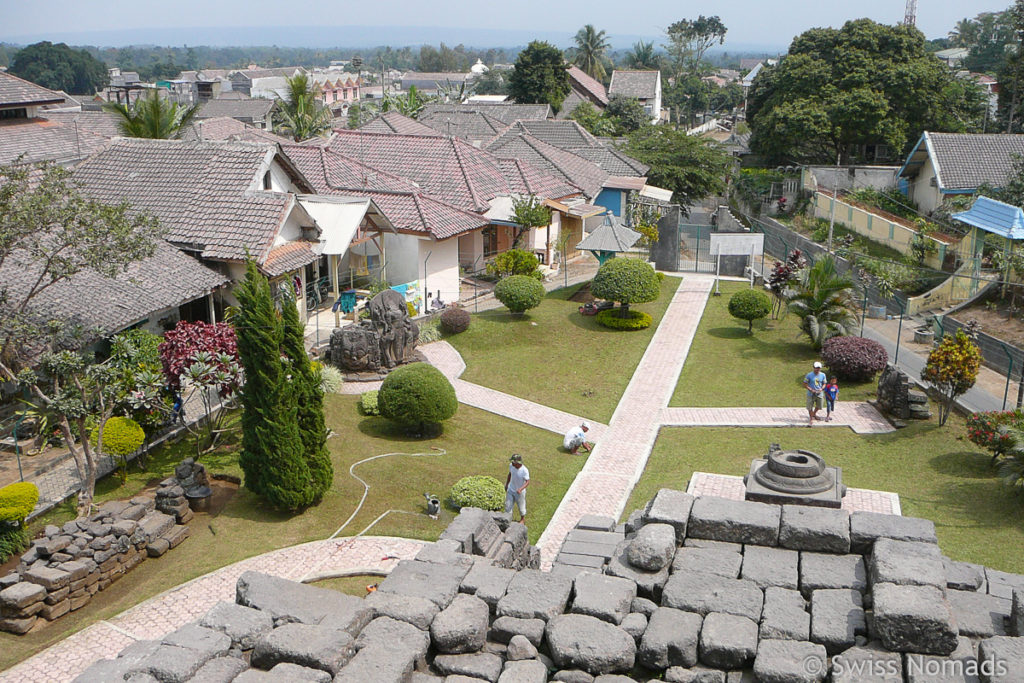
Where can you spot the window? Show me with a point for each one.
(20, 113)
(266, 181)
(490, 235)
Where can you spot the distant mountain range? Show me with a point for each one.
(339, 36)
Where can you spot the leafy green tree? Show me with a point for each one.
(410, 104)
(750, 305)
(689, 40)
(58, 67)
(360, 113)
(725, 98)
(823, 300)
(591, 48)
(1011, 71)
(596, 123)
(152, 116)
(490, 83)
(690, 166)
(643, 57)
(626, 281)
(272, 447)
(865, 83)
(626, 114)
(299, 115)
(993, 31)
(527, 213)
(540, 76)
(418, 396)
(952, 368)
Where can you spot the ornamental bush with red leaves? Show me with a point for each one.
(990, 430)
(854, 359)
(182, 344)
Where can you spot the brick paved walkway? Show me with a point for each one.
(855, 500)
(189, 601)
(861, 417)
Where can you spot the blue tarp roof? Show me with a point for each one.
(995, 217)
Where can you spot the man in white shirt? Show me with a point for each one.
(576, 438)
(515, 486)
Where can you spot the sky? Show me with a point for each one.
(750, 22)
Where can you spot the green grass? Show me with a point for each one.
(555, 356)
(937, 472)
(477, 442)
(352, 585)
(729, 367)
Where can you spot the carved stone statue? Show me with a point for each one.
(387, 339)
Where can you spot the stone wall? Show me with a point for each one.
(898, 398)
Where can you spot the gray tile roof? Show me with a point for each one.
(432, 80)
(561, 134)
(102, 123)
(612, 160)
(576, 170)
(462, 122)
(966, 161)
(248, 110)
(16, 91)
(639, 84)
(45, 140)
(506, 112)
(393, 122)
(614, 237)
(288, 257)
(227, 128)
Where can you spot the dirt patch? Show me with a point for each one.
(223, 492)
(583, 295)
(996, 322)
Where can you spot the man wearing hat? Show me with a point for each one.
(814, 382)
(575, 438)
(515, 486)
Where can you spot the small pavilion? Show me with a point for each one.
(609, 239)
(995, 218)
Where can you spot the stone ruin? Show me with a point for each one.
(897, 399)
(62, 571)
(188, 490)
(370, 348)
(697, 589)
(795, 478)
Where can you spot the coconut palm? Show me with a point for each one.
(642, 56)
(591, 46)
(965, 34)
(152, 116)
(298, 114)
(823, 300)
(410, 104)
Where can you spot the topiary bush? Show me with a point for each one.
(478, 492)
(369, 403)
(122, 436)
(750, 305)
(519, 293)
(626, 281)
(417, 395)
(855, 359)
(17, 501)
(634, 320)
(515, 262)
(455, 320)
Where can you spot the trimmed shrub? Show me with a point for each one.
(417, 395)
(455, 320)
(855, 359)
(17, 501)
(750, 305)
(626, 281)
(660, 275)
(991, 430)
(122, 436)
(368, 403)
(478, 492)
(634, 320)
(331, 380)
(519, 293)
(515, 262)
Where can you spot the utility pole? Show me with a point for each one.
(835, 196)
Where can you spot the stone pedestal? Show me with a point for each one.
(794, 477)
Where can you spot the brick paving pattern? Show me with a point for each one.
(855, 500)
(861, 417)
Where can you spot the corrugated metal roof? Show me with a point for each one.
(995, 217)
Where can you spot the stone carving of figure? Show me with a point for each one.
(356, 348)
(387, 339)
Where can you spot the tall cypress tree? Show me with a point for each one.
(271, 455)
(305, 380)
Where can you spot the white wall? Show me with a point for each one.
(923, 192)
(441, 271)
(280, 181)
(401, 254)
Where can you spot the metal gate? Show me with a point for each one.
(695, 248)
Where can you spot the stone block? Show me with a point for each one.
(464, 526)
(242, 625)
(56, 610)
(653, 547)
(594, 562)
(837, 618)
(123, 527)
(8, 580)
(767, 566)
(79, 602)
(596, 523)
(524, 671)
(727, 641)
(289, 601)
(635, 624)
(285, 671)
(790, 661)
(17, 626)
(176, 535)
(867, 527)
(481, 665)
(606, 597)
(696, 674)
(910, 618)
(21, 595)
(388, 631)
(520, 647)
(503, 629)
(170, 664)
(648, 584)
(391, 663)
(721, 561)
(819, 529)
(734, 521)
(785, 615)
(643, 606)
(1017, 613)
(155, 524)
(487, 583)
(461, 626)
(708, 543)
(979, 615)
(58, 595)
(706, 593)
(438, 583)
(101, 542)
(1002, 657)
(205, 640)
(957, 667)
(534, 594)
(47, 577)
(671, 639)
(134, 513)
(1001, 584)
(906, 563)
(822, 571)
(76, 570)
(446, 551)
(964, 576)
(579, 641)
(670, 507)
(317, 647)
(517, 536)
(157, 547)
(419, 612)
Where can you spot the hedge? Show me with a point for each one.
(519, 293)
(17, 501)
(855, 359)
(634, 320)
(478, 492)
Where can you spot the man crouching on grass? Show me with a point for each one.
(576, 439)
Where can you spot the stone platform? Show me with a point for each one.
(856, 500)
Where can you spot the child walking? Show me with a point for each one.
(831, 393)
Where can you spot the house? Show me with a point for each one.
(945, 164)
(255, 112)
(257, 82)
(393, 122)
(506, 112)
(334, 87)
(641, 85)
(953, 57)
(207, 84)
(584, 89)
(430, 83)
(468, 123)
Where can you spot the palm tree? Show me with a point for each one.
(823, 300)
(409, 104)
(298, 114)
(965, 34)
(153, 116)
(591, 46)
(642, 56)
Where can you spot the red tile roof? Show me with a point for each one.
(288, 257)
(393, 122)
(591, 87)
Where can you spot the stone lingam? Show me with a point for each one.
(369, 349)
(794, 477)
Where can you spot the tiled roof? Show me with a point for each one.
(288, 257)
(612, 160)
(462, 122)
(247, 110)
(506, 112)
(16, 91)
(525, 178)
(432, 80)
(202, 192)
(966, 161)
(45, 140)
(393, 122)
(576, 170)
(102, 123)
(611, 236)
(585, 85)
(227, 128)
(561, 134)
(640, 84)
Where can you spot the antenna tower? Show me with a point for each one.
(910, 18)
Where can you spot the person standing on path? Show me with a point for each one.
(814, 382)
(515, 486)
(831, 394)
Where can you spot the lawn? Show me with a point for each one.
(352, 585)
(245, 527)
(727, 366)
(555, 356)
(937, 472)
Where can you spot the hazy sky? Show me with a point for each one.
(749, 21)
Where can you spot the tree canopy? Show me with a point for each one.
(690, 166)
(866, 83)
(690, 39)
(540, 76)
(58, 67)
(152, 116)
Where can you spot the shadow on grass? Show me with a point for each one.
(964, 464)
(383, 428)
